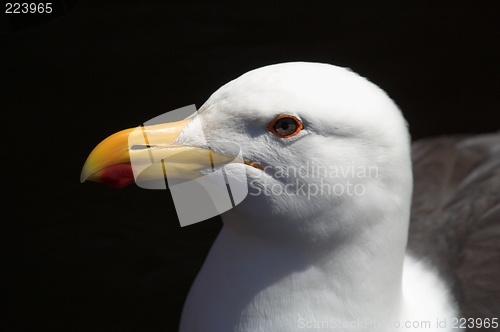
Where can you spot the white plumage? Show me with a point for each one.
(293, 261)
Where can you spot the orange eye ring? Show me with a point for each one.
(285, 126)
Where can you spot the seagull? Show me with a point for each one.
(327, 238)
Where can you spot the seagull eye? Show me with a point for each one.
(285, 126)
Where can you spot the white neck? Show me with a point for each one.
(261, 285)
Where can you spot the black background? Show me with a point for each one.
(88, 257)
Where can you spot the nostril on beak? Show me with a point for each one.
(141, 147)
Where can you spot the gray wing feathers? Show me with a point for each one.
(455, 221)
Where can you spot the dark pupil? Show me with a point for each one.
(285, 126)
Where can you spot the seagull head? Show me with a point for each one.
(326, 152)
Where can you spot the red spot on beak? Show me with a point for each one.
(117, 176)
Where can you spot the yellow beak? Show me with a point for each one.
(148, 153)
